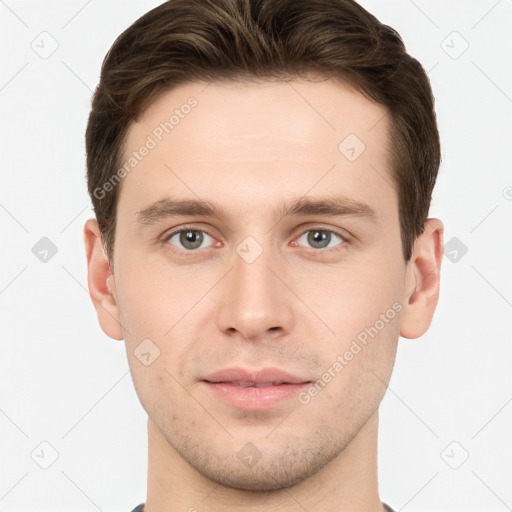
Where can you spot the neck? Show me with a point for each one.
(347, 483)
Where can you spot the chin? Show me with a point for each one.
(256, 480)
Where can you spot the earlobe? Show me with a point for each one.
(422, 281)
(100, 281)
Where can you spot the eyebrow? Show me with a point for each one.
(332, 206)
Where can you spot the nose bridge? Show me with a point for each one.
(255, 302)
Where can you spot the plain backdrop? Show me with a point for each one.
(73, 433)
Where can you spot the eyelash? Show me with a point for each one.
(345, 239)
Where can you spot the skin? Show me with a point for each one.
(251, 148)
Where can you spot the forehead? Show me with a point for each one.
(296, 113)
(257, 140)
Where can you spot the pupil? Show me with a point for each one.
(318, 237)
(188, 238)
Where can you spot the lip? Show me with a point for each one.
(263, 375)
(224, 384)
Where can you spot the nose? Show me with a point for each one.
(255, 302)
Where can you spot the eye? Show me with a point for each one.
(190, 239)
(320, 238)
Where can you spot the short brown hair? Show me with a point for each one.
(239, 40)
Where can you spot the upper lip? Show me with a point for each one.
(264, 375)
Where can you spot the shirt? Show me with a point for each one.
(140, 508)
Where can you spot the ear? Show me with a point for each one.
(100, 280)
(422, 281)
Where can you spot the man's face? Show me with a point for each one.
(253, 289)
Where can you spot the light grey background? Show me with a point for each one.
(63, 382)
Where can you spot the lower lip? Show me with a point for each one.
(252, 398)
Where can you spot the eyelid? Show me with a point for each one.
(318, 227)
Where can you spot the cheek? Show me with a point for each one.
(154, 386)
(362, 306)
(353, 296)
(356, 373)
(149, 302)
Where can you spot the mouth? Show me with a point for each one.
(252, 384)
(260, 378)
(254, 390)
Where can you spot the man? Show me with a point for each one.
(261, 173)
